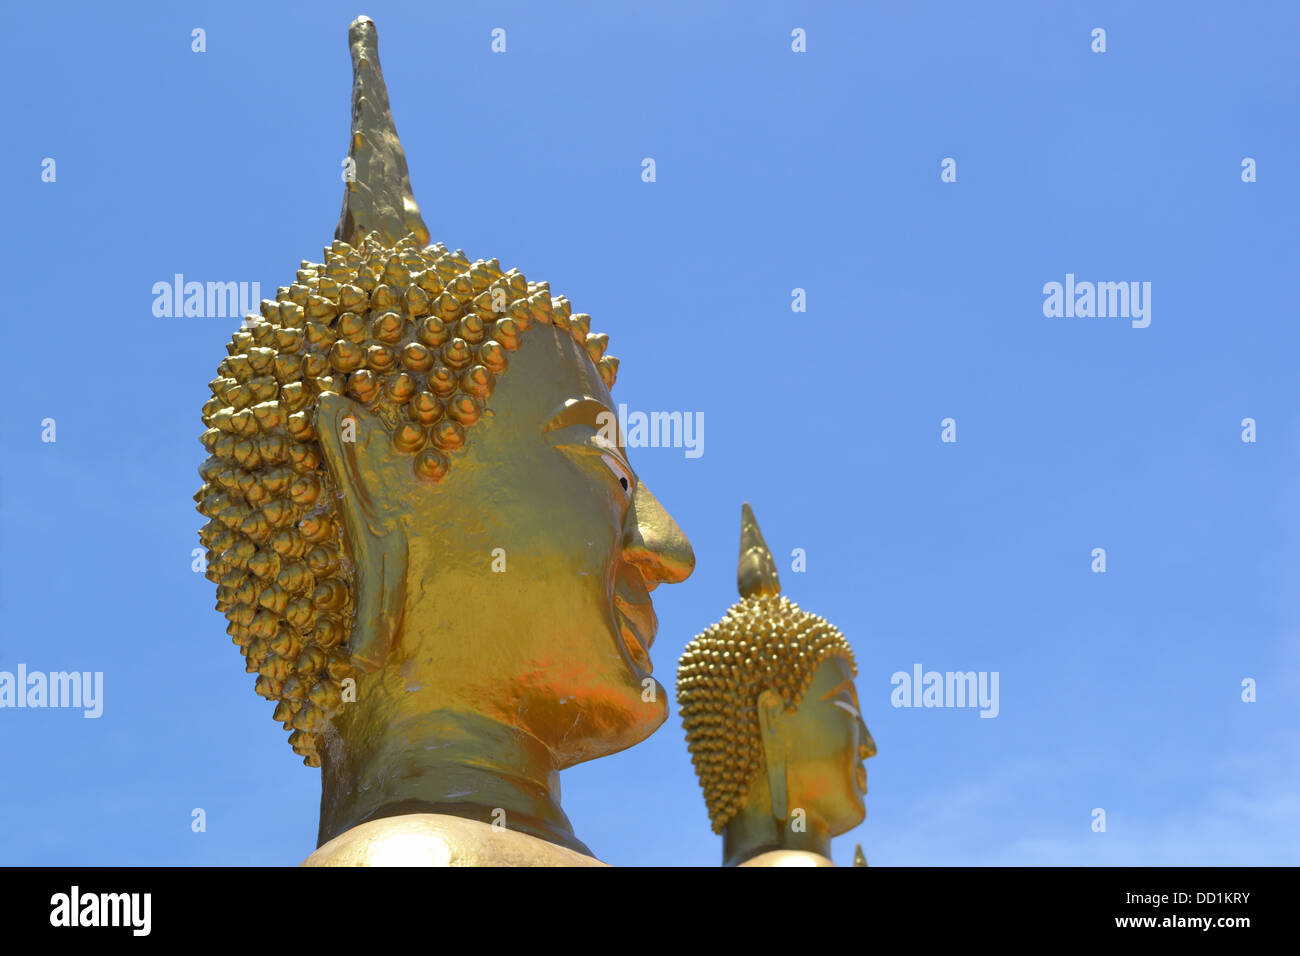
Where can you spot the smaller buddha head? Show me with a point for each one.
(770, 708)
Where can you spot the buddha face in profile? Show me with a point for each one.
(772, 719)
(416, 509)
(823, 743)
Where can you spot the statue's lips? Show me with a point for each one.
(637, 624)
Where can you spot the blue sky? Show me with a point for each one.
(775, 170)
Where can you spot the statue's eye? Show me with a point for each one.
(845, 705)
(620, 472)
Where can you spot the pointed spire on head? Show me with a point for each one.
(379, 197)
(859, 858)
(756, 576)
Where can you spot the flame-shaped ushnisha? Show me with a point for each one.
(378, 196)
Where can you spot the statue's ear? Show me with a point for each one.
(771, 710)
(357, 452)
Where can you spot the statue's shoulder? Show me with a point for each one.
(435, 839)
(788, 858)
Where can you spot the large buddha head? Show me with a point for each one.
(772, 718)
(415, 501)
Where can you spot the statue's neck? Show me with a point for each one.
(754, 831)
(453, 763)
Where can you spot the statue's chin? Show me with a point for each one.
(622, 724)
(617, 714)
(854, 818)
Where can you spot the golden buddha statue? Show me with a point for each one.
(773, 722)
(428, 547)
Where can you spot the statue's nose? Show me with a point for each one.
(653, 542)
(866, 743)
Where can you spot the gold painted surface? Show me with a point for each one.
(773, 722)
(431, 839)
(428, 547)
(379, 197)
(787, 858)
(756, 574)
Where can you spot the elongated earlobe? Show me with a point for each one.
(355, 443)
(770, 707)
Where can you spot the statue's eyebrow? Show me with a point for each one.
(580, 411)
(843, 685)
